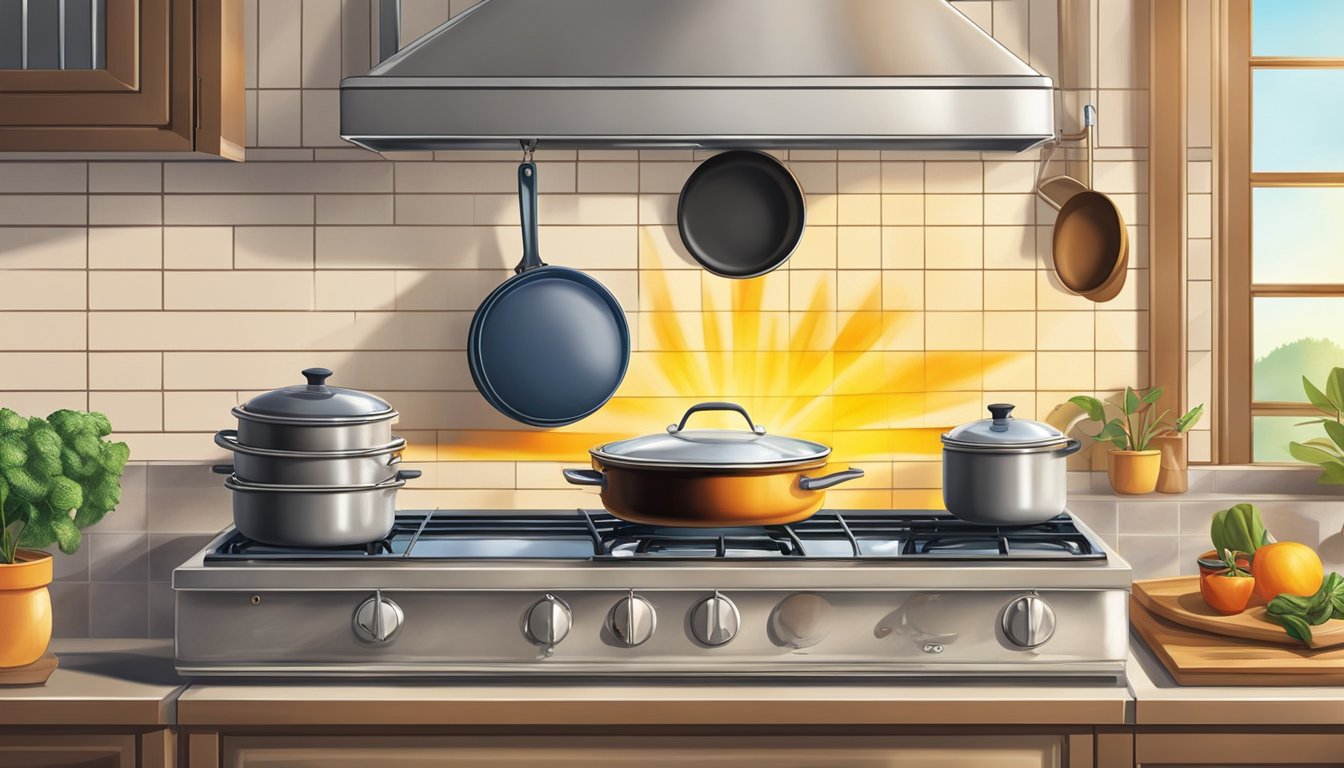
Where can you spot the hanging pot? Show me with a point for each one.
(314, 417)
(1006, 471)
(711, 477)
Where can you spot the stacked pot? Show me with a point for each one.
(314, 466)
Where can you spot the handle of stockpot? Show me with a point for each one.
(715, 406)
(222, 469)
(1071, 447)
(408, 474)
(822, 483)
(527, 214)
(584, 477)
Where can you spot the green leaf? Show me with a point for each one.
(1091, 406)
(1334, 388)
(1152, 397)
(65, 495)
(1296, 628)
(1131, 401)
(1311, 454)
(1185, 422)
(67, 535)
(1317, 397)
(1325, 444)
(1331, 474)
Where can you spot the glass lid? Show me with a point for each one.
(681, 447)
(1003, 431)
(315, 401)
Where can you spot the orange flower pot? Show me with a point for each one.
(1133, 472)
(25, 608)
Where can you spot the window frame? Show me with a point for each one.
(1234, 436)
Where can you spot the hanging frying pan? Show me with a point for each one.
(741, 214)
(550, 345)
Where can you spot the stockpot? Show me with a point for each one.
(315, 515)
(314, 417)
(362, 466)
(711, 477)
(1006, 471)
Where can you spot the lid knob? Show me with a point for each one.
(1000, 413)
(317, 377)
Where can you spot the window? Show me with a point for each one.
(1284, 218)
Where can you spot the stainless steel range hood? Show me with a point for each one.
(890, 74)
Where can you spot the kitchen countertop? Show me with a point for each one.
(131, 682)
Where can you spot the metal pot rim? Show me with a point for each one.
(326, 421)
(234, 484)
(222, 440)
(1042, 447)
(627, 462)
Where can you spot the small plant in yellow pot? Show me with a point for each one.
(1133, 464)
(57, 475)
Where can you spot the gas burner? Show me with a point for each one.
(587, 535)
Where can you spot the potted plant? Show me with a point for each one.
(1174, 477)
(1133, 464)
(1325, 452)
(57, 475)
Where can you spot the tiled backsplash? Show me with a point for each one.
(163, 293)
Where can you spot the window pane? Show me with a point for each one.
(1296, 118)
(1298, 235)
(1297, 28)
(1273, 433)
(1294, 338)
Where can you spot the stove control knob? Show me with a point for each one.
(1028, 621)
(801, 620)
(715, 620)
(378, 619)
(548, 621)
(632, 620)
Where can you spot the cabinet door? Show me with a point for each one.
(58, 750)
(119, 75)
(1004, 751)
(1246, 750)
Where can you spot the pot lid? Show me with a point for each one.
(714, 448)
(315, 401)
(1003, 431)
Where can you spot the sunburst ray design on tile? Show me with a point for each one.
(835, 376)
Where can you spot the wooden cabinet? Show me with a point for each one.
(1238, 747)
(168, 77)
(61, 748)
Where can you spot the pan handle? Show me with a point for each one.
(822, 483)
(222, 469)
(584, 477)
(527, 214)
(715, 406)
(1073, 446)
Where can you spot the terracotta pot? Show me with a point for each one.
(1174, 476)
(25, 608)
(1133, 472)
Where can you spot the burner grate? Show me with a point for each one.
(589, 535)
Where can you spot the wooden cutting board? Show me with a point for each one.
(1198, 658)
(1178, 600)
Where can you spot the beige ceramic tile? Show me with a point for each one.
(1199, 259)
(125, 247)
(110, 289)
(954, 330)
(607, 177)
(41, 178)
(953, 210)
(322, 118)
(43, 247)
(197, 411)
(321, 60)
(125, 177)
(273, 247)
(822, 210)
(1065, 330)
(43, 370)
(903, 289)
(1010, 330)
(362, 290)
(43, 210)
(859, 210)
(1199, 310)
(954, 178)
(902, 178)
(1012, 372)
(1199, 216)
(1117, 370)
(1011, 26)
(859, 178)
(279, 118)
(954, 247)
(125, 370)
(1066, 370)
(902, 210)
(902, 248)
(666, 178)
(238, 290)
(1010, 177)
(279, 43)
(816, 249)
(197, 247)
(43, 290)
(199, 330)
(1122, 119)
(1010, 289)
(953, 290)
(238, 209)
(1122, 53)
(125, 209)
(1010, 210)
(434, 209)
(859, 290)
(59, 331)
(130, 411)
(859, 247)
(276, 177)
(354, 209)
(1122, 330)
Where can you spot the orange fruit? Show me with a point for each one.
(1286, 567)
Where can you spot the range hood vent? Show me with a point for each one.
(875, 74)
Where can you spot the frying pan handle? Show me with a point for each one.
(822, 483)
(527, 214)
(584, 477)
(715, 406)
(222, 469)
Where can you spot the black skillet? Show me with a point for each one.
(550, 345)
(741, 214)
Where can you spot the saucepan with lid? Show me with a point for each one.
(711, 477)
(315, 417)
(1006, 471)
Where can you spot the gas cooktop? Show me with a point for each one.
(585, 535)
(581, 594)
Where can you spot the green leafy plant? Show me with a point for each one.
(1325, 452)
(57, 475)
(1135, 426)
(1297, 615)
(1240, 529)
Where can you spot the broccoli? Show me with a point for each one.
(57, 475)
